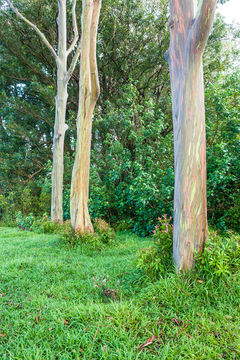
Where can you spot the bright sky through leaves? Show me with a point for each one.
(231, 11)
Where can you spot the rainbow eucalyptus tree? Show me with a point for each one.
(89, 91)
(64, 74)
(189, 32)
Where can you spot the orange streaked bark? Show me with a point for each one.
(189, 34)
(89, 91)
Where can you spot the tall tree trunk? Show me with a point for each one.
(89, 91)
(60, 115)
(58, 147)
(189, 34)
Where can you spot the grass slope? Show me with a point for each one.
(51, 308)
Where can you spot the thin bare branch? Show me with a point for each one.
(73, 63)
(75, 28)
(42, 36)
(31, 176)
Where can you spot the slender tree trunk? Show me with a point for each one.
(189, 34)
(88, 94)
(60, 115)
(58, 146)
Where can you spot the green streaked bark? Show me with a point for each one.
(88, 94)
(189, 34)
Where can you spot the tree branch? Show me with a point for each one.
(75, 28)
(73, 63)
(93, 57)
(42, 36)
(203, 23)
(31, 176)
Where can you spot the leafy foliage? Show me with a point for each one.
(221, 256)
(223, 109)
(24, 222)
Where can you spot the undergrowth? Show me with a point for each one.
(220, 258)
(103, 234)
(65, 303)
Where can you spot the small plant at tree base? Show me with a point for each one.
(158, 258)
(221, 256)
(104, 231)
(104, 235)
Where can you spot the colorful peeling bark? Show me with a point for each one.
(89, 91)
(189, 34)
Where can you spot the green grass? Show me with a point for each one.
(51, 308)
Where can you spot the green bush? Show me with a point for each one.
(221, 256)
(46, 226)
(158, 258)
(124, 225)
(102, 236)
(24, 222)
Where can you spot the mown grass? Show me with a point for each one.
(51, 308)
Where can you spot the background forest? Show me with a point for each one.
(132, 175)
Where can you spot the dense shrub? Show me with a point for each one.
(124, 225)
(24, 222)
(74, 237)
(104, 231)
(46, 226)
(103, 235)
(221, 256)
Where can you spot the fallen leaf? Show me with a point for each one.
(200, 281)
(2, 335)
(147, 342)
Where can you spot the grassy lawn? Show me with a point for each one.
(51, 307)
